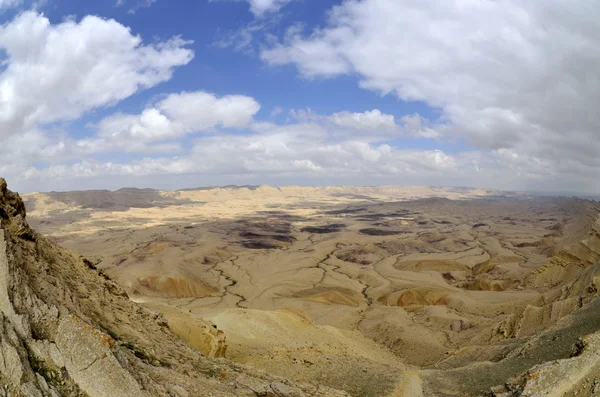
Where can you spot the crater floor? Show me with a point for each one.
(376, 291)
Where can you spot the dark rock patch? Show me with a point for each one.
(345, 211)
(380, 216)
(448, 276)
(333, 228)
(257, 245)
(283, 216)
(264, 235)
(381, 232)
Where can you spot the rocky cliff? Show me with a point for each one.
(68, 330)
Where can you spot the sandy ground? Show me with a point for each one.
(377, 291)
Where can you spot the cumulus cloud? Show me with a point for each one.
(417, 126)
(201, 110)
(517, 82)
(344, 144)
(507, 76)
(173, 117)
(313, 151)
(58, 72)
(344, 147)
(370, 125)
(270, 154)
(373, 119)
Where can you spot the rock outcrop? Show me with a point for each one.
(575, 376)
(68, 330)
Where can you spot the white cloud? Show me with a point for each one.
(270, 155)
(260, 7)
(516, 81)
(172, 117)
(9, 3)
(277, 110)
(370, 125)
(201, 110)
(241, 40)
(416, 126)
(140, 4)
(506, 75)
(373, 119)
(312, 149)
(58, 72)
(247, 38)
(314, 146)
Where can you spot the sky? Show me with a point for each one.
(172, 94)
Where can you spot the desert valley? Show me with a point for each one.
(287, 198)
(372, 291)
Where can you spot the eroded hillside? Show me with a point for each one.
(375, 291)
(66, 329)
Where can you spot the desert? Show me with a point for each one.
(299, 198)
(374, 291)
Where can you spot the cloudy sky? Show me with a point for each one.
(181, 93)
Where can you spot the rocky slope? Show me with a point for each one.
(68, 330)
(376, 291)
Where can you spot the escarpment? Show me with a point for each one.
(66, 329)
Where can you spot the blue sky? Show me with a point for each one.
(174, 93)
(227, 71)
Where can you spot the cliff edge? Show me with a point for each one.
(68, 330)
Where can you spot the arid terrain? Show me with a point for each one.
(382, 291)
